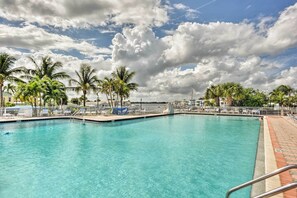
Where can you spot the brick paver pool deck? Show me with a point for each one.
(283, 133)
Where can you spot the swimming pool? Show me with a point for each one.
(171, 156)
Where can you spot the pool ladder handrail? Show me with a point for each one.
(272, 192)
(74, 113)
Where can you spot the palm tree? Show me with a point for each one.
(7, 72)
(281, 95)
(87, 80)
(10, 88)
(31, 92)
(123, 85)
(232, 91)
(107, 87)
(54, 91)
(214, 92)
(47, 68)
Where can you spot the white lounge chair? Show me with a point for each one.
(25, 113)
(67, 112)
(224, 111)
(44, 112)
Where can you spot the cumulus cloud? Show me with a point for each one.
(178, 84)
(80, 14)
(35, 38)
(190, 13)
(139, 49)
(222, 51)
(218, 51)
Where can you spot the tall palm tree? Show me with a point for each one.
(232, 91)
(123, 82)
(87, 80)
(10, 88)
(54, 91)
(31, 92)
(281, 95)
(107, 87)
(47, 68)
(7, 72)
(214, 92)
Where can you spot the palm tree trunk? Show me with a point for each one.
(282, 110)
(229, 101)
(217, 100)
(1, 95)
(108, 100)
(84, 94)
(121, 101)
(111, 98)
(35, 104)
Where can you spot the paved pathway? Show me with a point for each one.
(283, 132)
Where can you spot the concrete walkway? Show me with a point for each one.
(283, 133)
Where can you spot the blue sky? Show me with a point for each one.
(174, 46)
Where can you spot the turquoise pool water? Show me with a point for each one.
(175, 156)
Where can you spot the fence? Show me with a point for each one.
(28, 111)
(237, 110)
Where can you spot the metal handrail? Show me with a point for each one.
(278, 190)
(278, 171)
(75, 112)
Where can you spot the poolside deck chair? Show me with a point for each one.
(25, 113)
(9, 112)
(82, 111)
(91, 111)
(120, 111)
(67, 112)
(57, 112)
(224, 110)
(44, 112)
(8, 115)
(245, 111)
(236, 110)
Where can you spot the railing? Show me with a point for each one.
(139, 110)
(235, 110)
(272, 192)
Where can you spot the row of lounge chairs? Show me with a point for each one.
(293, 117)
(228, 111)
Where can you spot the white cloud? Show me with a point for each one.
(180, 6)
(222, 51)
(34, 38)
(139, 49)
(193, 41)
(283, 33)
(80, 14)
(178, 84)
(190, 13)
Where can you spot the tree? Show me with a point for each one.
(87, 80)
(47, 68)
(9, 88)
(252, 98)
(54, 91)
(281, 95)
(214, 92)
(107, 87)
(232, 91)
(30, 92)
(123, 84)
(7, 72)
